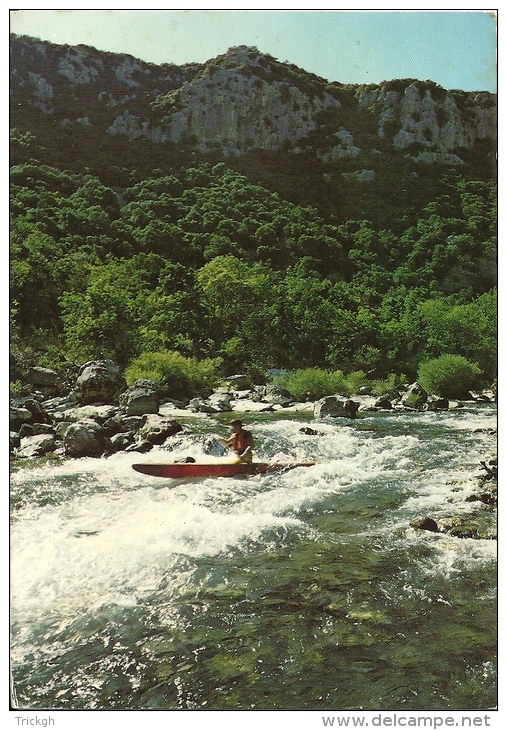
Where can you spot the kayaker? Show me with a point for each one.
(241, 442)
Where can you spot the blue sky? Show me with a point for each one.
(454, 48)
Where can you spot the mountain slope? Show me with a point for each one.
(243, 100)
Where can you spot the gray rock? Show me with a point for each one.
(384, 404)
(331, 406)
(415, 397)
(43, 377)
(99, 382)
(425, 523)
(140, 398)
(85, 438)
(278, 396)
(157, 429)
(26, 429)
(33, 446)
(140, 447)
(434, 403)
(199, 405)
(55, 406)
(120, 441)
(220, 401)
(18, 416)
(100, 414)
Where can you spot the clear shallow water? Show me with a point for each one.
(300, 590)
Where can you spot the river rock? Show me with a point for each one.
(120, 441)
(435, 403)
(463, 529)
(121, 424)
(425, 523)
(199, 405)
(157, 429)
(18, 415)
(308, 431)
(140, 398)
(383, 404)
(26, 429)
(100, 414)
(85, 438)
(33, 446)
(56, 406)
(140, 447)
(278, 396)
(221, 401)
(415, 396)
(329, 406)
(99, 382)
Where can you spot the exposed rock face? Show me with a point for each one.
(243, 100)
(234, 108)
(437, 124)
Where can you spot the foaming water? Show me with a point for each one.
(179, 567)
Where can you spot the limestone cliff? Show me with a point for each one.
(245, 100)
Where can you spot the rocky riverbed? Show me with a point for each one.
(100, 416)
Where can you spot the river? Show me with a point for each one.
(306, 589)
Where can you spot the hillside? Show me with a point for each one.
(152, 203)
(268, 119)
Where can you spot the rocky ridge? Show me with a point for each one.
(244, 100)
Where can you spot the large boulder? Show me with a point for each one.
(278, 396)
(221, 401)
(99, 382)
(425, 523)
(85, 438)
(200, 405)
(140, 398)
(157, 429)
(38, 445)
(44, 378)
(28, 410)
(330, 406)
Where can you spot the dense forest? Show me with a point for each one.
(119, 249)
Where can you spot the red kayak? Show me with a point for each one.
(212, 469)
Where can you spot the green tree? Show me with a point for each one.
(100, 322)
(239, 301)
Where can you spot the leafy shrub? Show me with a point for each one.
(175, 374)
(313, 383)
(15, 388)
(450, 376)
(388, 385)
